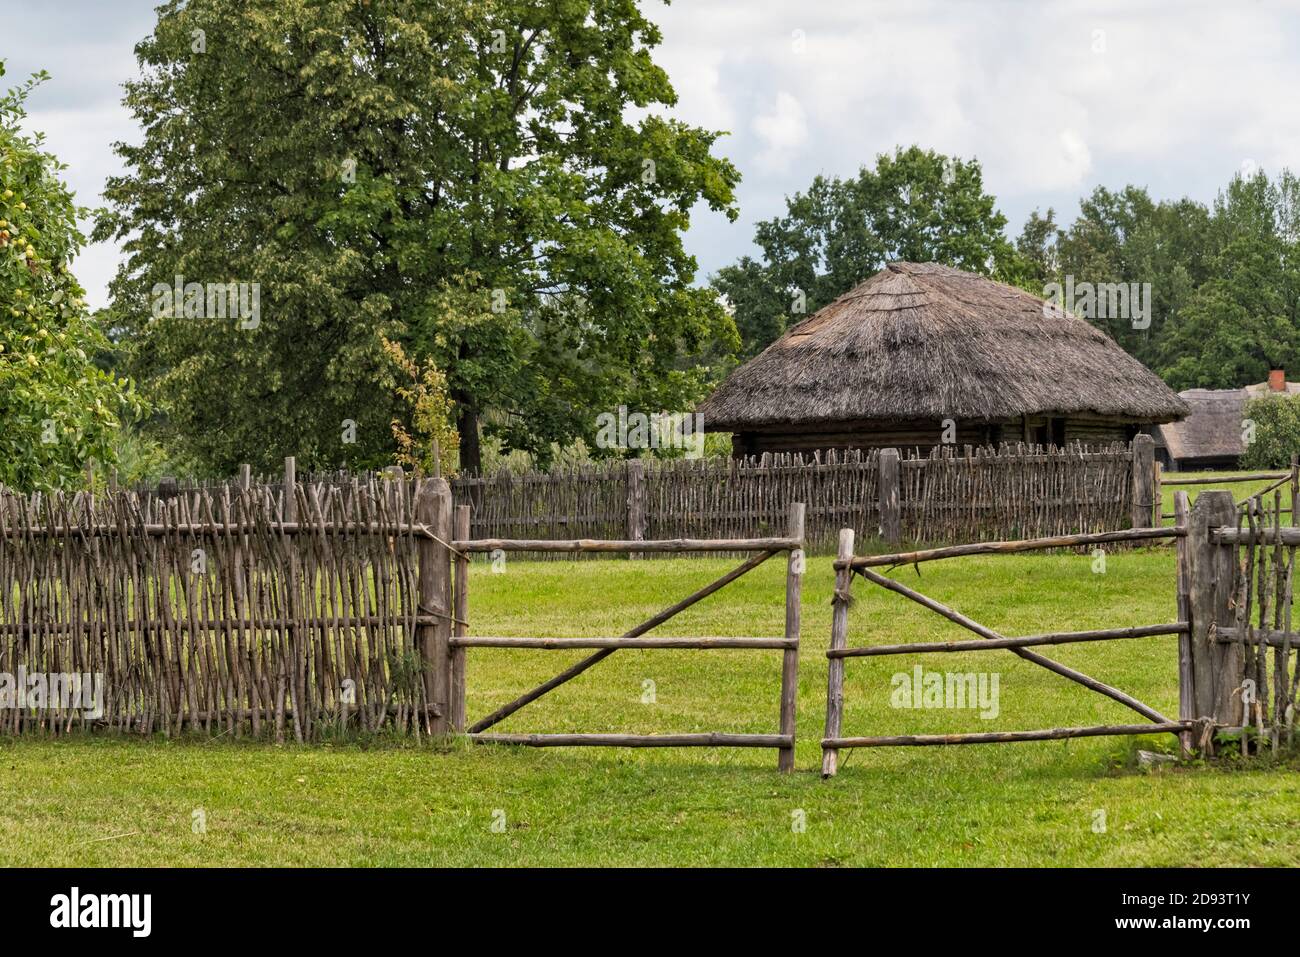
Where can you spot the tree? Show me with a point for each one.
(1126, 237)
(463, 179)
(915, 205)
(1272, 430)
(1245, 318)
(58, 408)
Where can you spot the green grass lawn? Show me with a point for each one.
(107, 801)
(1240, 490)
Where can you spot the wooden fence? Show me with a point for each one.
(946, 495)
(227, 609)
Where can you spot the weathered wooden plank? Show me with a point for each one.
(986, 644)
(712, 739)
(1005, 737)
(839, 640)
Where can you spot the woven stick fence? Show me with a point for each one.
(221, 610)
(948, 495)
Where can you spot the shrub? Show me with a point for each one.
(1271, 430)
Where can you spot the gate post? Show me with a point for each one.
(1211, 574)
(839, 640)
(459, 624)
(1143, 486)
(433, 510)
(795, 563)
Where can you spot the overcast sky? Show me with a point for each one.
(1053, 98)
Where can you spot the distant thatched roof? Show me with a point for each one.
(924, 341)
(1211, 430)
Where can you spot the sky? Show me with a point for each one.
(1053, 97)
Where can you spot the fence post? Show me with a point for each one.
(790, 657)
(1216, 667)
(433, 510)
(636, 503)
(298, 690)
(891, 526)
(1144, 458)
(1186, 680)
(459, 624)
(839, 640)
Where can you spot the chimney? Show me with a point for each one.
(1277, 380)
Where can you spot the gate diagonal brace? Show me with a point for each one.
(984, 632)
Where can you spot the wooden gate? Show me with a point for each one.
(762, 548)
(848, 565)
(1242, 564)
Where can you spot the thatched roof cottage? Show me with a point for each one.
(1211, 437)
(921, 348)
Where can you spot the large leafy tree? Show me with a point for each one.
(58, 410)
(1245, 318)
(1126, 237)
(465, 179)
(915, 205)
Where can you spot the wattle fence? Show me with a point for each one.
(949, 495)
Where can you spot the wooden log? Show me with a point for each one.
(1212, 570)
(560, 644)
(1142, 490)
(1186, 676)
(889, 497)
(1004, 737)
(1053, 666)
(611, 545)
(712, 739)
(636, 502)
(1229, 479)
(591, 660)
(1157, 495)
(1288, 536)
(790, 659)
(839, 640)
(1012, 547)
(985, 644)
(433, 508)
(460, 623)
(1251, 635)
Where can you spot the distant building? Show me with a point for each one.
(1211, 436)
(922, 354)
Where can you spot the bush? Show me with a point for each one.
(1271, 432)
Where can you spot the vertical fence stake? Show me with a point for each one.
(790, 657)
(888, 473)
(636, 503)
(297, 642)
(839, 639)
(1157, 496)
(459, 626)
(1186, 678)
(1144, 457)
(433, 509)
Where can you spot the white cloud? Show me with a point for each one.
(783, 131)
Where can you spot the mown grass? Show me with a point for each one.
(107, 801)
(1240, 490)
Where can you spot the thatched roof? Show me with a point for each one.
(925, 341)
(1211, 430)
